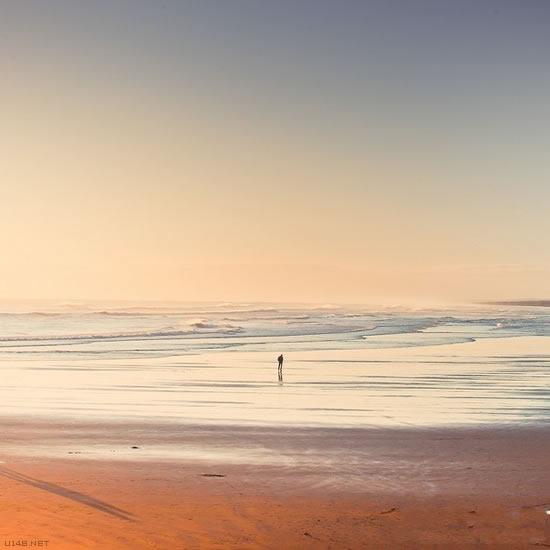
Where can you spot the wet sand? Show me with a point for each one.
(488, 381)
(309, 488)
(426, 447)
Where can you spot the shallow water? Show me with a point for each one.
(216, 364)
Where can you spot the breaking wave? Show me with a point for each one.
(196, 327)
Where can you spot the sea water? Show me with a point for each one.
(349, 366)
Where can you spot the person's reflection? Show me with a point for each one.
(280, 377)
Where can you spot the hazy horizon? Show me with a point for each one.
(69, 305)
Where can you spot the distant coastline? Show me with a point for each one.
(533, 303)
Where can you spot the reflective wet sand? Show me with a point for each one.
(502, 381)
(430, 446)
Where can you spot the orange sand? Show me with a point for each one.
(74, 503)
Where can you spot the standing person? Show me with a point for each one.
(280, 360)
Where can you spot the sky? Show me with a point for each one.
(304, 150)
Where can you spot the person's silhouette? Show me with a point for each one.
(280, 361)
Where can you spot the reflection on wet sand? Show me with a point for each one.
(490, 381)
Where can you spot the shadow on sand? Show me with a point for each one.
(67, 493)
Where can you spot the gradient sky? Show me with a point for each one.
(275, 150)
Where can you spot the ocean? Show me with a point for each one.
(345, 366)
